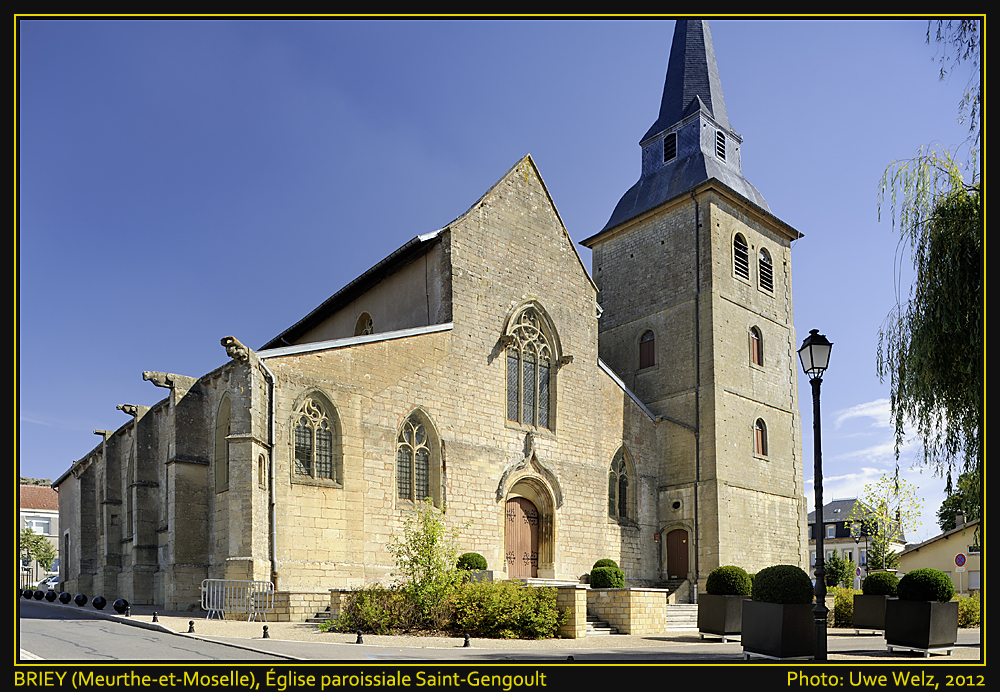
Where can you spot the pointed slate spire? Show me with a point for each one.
(692, 73)
(691, 141)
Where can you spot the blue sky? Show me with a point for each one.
(181, 181)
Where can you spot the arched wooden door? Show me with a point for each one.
(521, 538)
(677, 554)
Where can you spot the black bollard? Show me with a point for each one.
(81, 599)
(39, 595)
(266, 635)
(466, 644)
(154, 617)
(65, 598)
(120, 606)
(50, 596)
(359, 638)
(190, 626)
(99, 602)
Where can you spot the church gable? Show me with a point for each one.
(510, 248)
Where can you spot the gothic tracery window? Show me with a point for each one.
(315, 440)
(529, 372)
(413, 461)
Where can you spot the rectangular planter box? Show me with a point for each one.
(777, 630)
(869, 612)
(719, 614)
(921, 624)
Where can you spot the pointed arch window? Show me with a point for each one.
(756, 347)
(417, 468)
(760, 438)
(618, 486)
(530, 362)
(741, 257)
(316, 442)
(766, 271)
(647, 350)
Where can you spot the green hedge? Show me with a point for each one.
(506, 610)
(968, 610)
(926, 584)
(488, 609)
(607, 578)
(728, 580)
(880, 584)
(786, 584)
(469, 561)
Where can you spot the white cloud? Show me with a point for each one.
(877, 410)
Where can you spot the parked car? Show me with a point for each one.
(48, 584)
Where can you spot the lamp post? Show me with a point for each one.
(815, 357)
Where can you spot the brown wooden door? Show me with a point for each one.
(677, 554)
(521, 538)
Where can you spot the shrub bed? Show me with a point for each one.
(489, 609)
(843, 606)
(968, 610)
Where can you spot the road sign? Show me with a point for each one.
(960, 559)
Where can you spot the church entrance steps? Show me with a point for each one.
(681, 616)
(535, 581)
(597, 627)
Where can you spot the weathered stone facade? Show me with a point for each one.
(473, 367)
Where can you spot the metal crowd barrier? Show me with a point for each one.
(221, 596)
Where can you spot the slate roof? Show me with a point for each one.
(838, 511)
(692, 85)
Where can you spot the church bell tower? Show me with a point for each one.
(694, 274)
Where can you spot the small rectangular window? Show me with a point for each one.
(720, 144)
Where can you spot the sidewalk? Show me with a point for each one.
(303, 641)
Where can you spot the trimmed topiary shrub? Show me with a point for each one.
(470, 561)
(728, 580)
(605, 562)
(880, 584)
(926, 584)
(607, 578)
(786, 584)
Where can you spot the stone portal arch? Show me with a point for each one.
(529, 529)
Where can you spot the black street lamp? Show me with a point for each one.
(815, 357)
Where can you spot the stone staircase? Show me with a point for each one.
(682, 616)
(320, 618)
(598, 628)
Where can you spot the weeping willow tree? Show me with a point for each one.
(930, 345)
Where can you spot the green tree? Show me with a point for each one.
(33, 546)
(839, 571)
(885, 510)
(425, 556)
(963, 497)
(930, 345)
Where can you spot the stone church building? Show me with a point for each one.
(644, 411)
